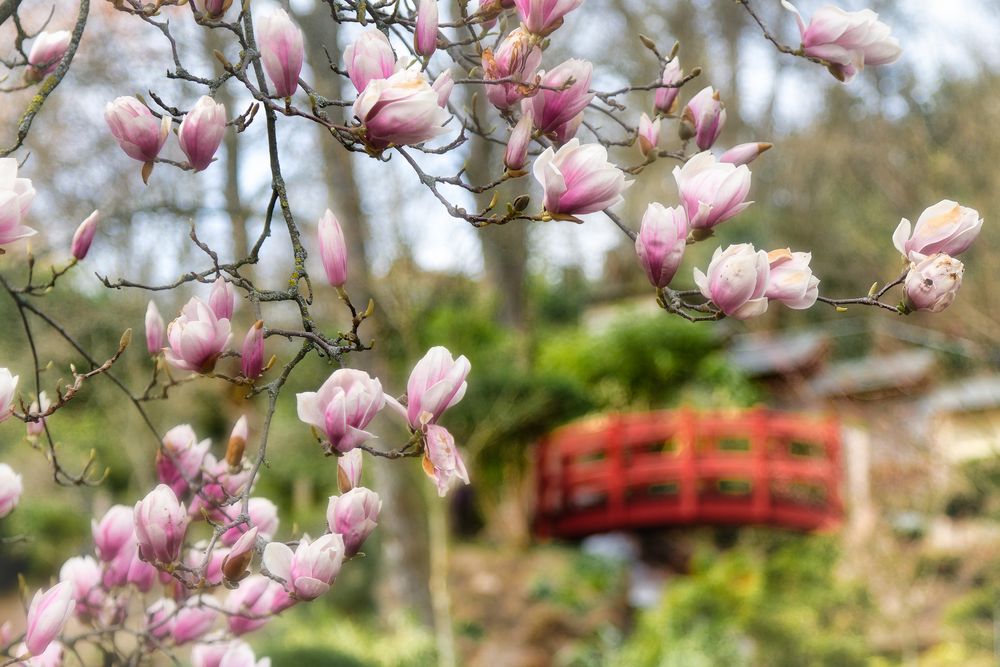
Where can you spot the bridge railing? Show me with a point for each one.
(677, 467)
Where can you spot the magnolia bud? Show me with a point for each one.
(84, 235)
(235, 565)
(333, 249)
(154, 330)
(649, 134)
(201, 132)
(282, 51)
(349, 470)
(47, 615)
(237, 442)
(425, 33)
(252, 355)
(744, 153)
(516, 154)
(932, 283)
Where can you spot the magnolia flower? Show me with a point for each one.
(160, 618)
(578, 179)
(248, 608)
(84, 236)
(10, 487)
(744, 153)
(661, 241)
(282, 51)
(180, 460)
(425, 31)
(944, 227)
(222, 299)
(711, 192)
(354, 516)
(50, 657)
(84, 574)
(344, 405)
(16, 195)
(47, 51)
(737, 281)
(648, 134)
(333, 249)
(47, 615)
(516, 154)
(369, 57)
(139, 133)
(666, 98)
(113, 532)
(554, 109)
(160, 525)
(239, 654)
(197, 338)
(154, 330)
(400, 110)
(932, 283)
(349, 470)
(442, 462)
(8, 388)
(543, 16)
(201, 132)
(37, 407)
(705, 115)
(436, 383)
(263, 516)
(252, 352)
(517, 58)
(790, 280)
(443, 85)
(309, 571)
(219, 483)
(195, 618)
(846, 40)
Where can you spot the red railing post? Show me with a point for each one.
(687, 443)
(834, 507)
(760, 487)
(615, 462)
(544, 485)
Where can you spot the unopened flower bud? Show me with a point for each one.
(201, 132)
(237, 442)
(649, 134)
(349, 470)
(84, 236)
(425, 33)
(516, 154)
(47, 51)
(154, 330)
(252, 355)
(744, 153)
(333, 249)
(234, 566)
(282, 51)
(932, 283)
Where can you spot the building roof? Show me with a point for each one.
(759, 355)
(875, 373)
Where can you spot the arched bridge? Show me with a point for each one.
(683, 467)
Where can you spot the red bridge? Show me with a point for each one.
(681, 467)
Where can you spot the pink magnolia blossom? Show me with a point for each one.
(209, 654)
(197, 338)
(16, 195)
(311, 569)
(790, 280)
(114, 532)
(344, 405)
(541, 17)
(354, 516)
(282, 51)
(443, 85)
(252, 354)
(846, 40)
(8, 390)
(578, 179)
(736, 281)
(248, 607)
(160, 526)
(201, 132)
(442, 461)
(154, 330)
(705, 115)
(745, 153)
(239, 654)
(932, 283)
(349, 470)
(436, 383)
(84, 236)
(648, 134)
(237, 559)
(47, 616)
(263, 516)
(369, 57)
(946, 227)
(50, 657)
(139, 133)
(555, 109)
(195, 558)
(84, 574)
(10, 489)
(516, 154)
(216, 8)
(160, 618)
(517, 58)
(140, 574)
(400, 110)
(425, 32)
(665, 99)
(38, 406)
(661, 241)
(195, 618)
(47, 50)
(333, 249)
(711, 192)
(220, 483)
(181, 458)
(222, 299)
